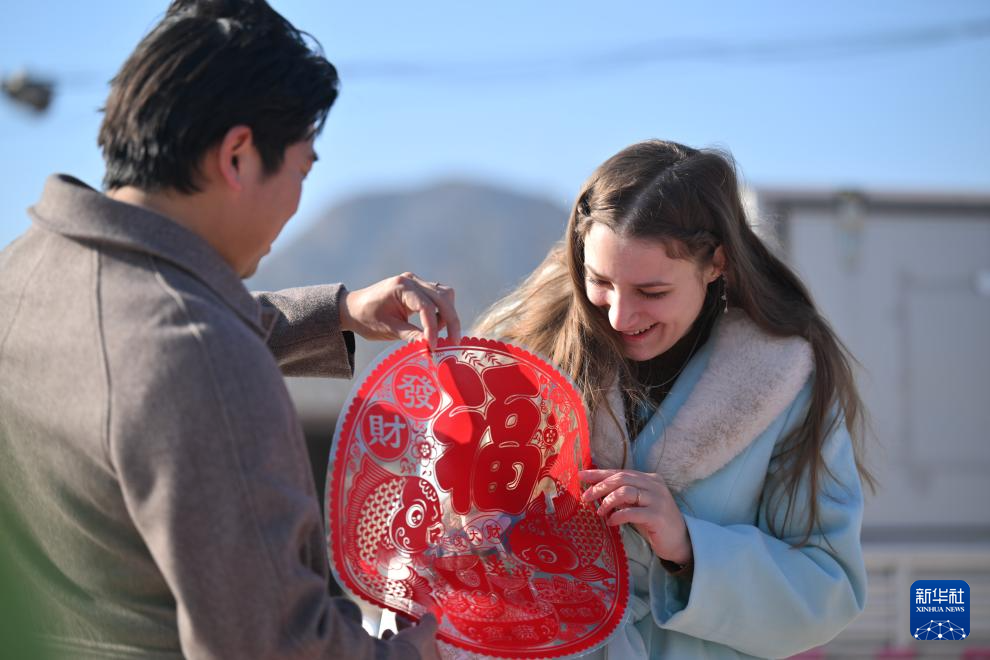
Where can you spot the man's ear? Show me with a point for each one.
(234, 148)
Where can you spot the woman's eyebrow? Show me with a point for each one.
(642, 285)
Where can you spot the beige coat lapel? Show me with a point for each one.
(750, 380)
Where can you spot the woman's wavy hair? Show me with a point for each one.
(688, 200)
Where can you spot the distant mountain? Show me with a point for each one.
(480, 239)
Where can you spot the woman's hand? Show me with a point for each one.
(642, 499)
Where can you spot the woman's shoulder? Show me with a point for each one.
(742, 351)
(750, 379)
(754, 375)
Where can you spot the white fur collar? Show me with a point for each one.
(749, 381)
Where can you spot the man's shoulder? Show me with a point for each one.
(158, 316)
(179, 358)
(139, 289)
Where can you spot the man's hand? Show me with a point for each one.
(422, 637)
(382, 310)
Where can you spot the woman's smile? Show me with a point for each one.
(637, 335)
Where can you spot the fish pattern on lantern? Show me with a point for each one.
(453, 489)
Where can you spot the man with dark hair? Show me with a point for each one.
(149, 451)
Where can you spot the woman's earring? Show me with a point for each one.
(725, 298)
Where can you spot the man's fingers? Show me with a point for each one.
(431, 324)
(402, 622)
(382, 311)
(429, 621)
(416, 300)
(408, 332)
(423, 637)
(445, 315)
(448, 311)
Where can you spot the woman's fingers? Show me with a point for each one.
(643, 500)
(625, 496)
(594, 476)
(637, 515)
(602, 483)
(605, 481)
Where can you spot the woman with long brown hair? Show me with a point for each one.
(726, 425)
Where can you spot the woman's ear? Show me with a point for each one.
(718, 264)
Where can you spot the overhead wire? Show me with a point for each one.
(776, 51)
(765, 51)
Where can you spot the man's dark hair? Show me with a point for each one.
(208, 66)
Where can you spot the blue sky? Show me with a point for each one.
(535, 95)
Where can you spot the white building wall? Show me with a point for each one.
(906, 284)
(902, 291)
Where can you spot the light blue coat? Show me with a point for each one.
(752, 593)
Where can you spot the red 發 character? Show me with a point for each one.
(501, 474)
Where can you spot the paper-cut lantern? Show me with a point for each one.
(453, 489)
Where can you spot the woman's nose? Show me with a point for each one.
(621, 313)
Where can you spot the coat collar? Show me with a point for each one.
(747, 379)
(71, 208)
